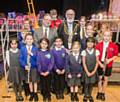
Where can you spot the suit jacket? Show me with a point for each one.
(38, 34)
(64, 36)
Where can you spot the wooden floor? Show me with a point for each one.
(112, 95)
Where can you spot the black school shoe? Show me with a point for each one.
(103, 96)
(85, 99)
(31, 96)
(61, 96)
(58, 96)
(17, 98)
(44, 99)
(76, 97)
(72, 97)
(49, 99)
(91, 99)
(35, 97)
(21, 98)
(99, 96)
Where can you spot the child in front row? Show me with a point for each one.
(59, 54)
(74, 70)
(14, 76)
(90, 65)
(108, 53)
(45, 63)
(28, 63)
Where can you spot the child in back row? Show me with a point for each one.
(90, 65)
(60, 55)
(74, 70)
(45, 63)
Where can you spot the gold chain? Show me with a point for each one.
(74, 30)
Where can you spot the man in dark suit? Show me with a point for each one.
(68, 31)
(45, 30)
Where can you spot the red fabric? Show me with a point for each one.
(55, 23)
(112, 51)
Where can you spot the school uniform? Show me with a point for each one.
(60, 64)
(90, 59)
(74, 68)
(33, 64)
(21, 39)
(107, 50)
(45, 63)
(14, 66)
(14, 75)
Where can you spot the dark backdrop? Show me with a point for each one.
(82, 7)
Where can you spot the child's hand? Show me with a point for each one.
(88, 74)
(102, 66)
(29, 52)
(63, 71)
(27, 68)
(46, 73)
(43, 74)
(79, 75)
(69, 76)
(108, 61)
(58, 71)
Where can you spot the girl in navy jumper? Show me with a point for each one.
(28, 63)
(45, 63)
(74, 70)
(59, 54)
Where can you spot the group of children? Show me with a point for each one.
(29, 65)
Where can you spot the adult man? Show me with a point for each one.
(68, 30)
(45, 30)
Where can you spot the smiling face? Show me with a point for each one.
(58, 43)
(76, 47)
(90, 45)
(89, 31)
(107, 36)
(26, 25)
(13, 44)
(29, 39)
(43, 45)
(47, 20)
(70, 15)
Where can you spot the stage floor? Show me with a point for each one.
(112, 95)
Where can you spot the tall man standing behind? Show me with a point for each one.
(45, 30)
(68, 31)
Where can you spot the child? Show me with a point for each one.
(14, 69)
(104, 27)
(28, 63)
(74, 70)
(25, 29)
(59, 54)
(108, 52)
(45, 63)
(90, 64)
(88, 33)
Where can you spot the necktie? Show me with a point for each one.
(45, 32)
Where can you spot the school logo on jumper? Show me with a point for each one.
(48, 56)
(63, 54)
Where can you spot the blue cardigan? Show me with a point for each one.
(23, 57)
